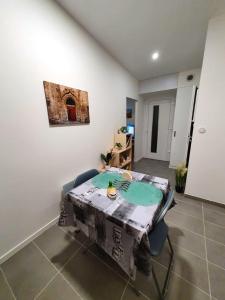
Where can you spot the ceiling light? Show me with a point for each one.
(155, 55)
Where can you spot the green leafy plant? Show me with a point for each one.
(181, 176)
(118, 145)
(123, 129)
(107, 158)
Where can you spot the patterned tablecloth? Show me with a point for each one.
(117, 226)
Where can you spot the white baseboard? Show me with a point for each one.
(172, 167)
(25, 242)
(138, 158)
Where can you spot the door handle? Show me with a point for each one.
(174, 133)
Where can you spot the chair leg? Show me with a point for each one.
(161, 297)
(162, 294)
(136, 291)
(165, 287)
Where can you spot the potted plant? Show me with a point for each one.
(118, 146)
(181, 175)
(123, 129)
(106, 159)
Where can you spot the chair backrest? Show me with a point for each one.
(68, 187)
(85, 176)
(79, 180)
(165, 207)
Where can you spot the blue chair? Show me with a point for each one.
(79, 213)
(68, 187)
(157, 237)
(79, 180)
(68, 208)
(85, 177)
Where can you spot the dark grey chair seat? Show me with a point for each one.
(157, 238)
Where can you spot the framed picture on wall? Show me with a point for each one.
(66, 105)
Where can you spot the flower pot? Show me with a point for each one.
(179, 189)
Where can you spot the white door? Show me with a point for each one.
(181, 126)
(159, 129)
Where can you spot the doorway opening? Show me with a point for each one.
(159, 115)
(71, 109)
(169, 125)
(130, 120)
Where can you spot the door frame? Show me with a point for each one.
(147, 128)
(188, 125)
(192, 124)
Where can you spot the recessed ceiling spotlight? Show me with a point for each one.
(155, 55)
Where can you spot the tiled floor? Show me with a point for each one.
(54, 267)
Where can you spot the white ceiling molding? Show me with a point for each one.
(158, 84)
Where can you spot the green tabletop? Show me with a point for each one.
(138, 193)
(101, 181)
(141, 193)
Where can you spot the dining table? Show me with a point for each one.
(119, 226)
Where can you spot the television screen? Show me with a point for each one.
(130, 129)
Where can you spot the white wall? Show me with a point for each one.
(169, 82)
(39, 41)
(161, 83)
(163, 95)
(182, 78)
(206, 176)
(181, 125)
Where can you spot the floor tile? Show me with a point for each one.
(28, 272)
(218, 208)
(185, 221)
(217, 280)
(154, 167)
(57, 245)
(216, 253)
(146, 284)
(182, 290)
(101, 254)
(58, 289)
(78, 235)
(215, 232)
(178, 288)
(187, 240)
(189, 209)
(214, 217)
(187, 265)
(131, 295)
(5, 293)
(188, 200)
(92, 279)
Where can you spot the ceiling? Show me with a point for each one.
(131, 30)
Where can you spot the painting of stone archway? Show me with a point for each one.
(65, 105)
